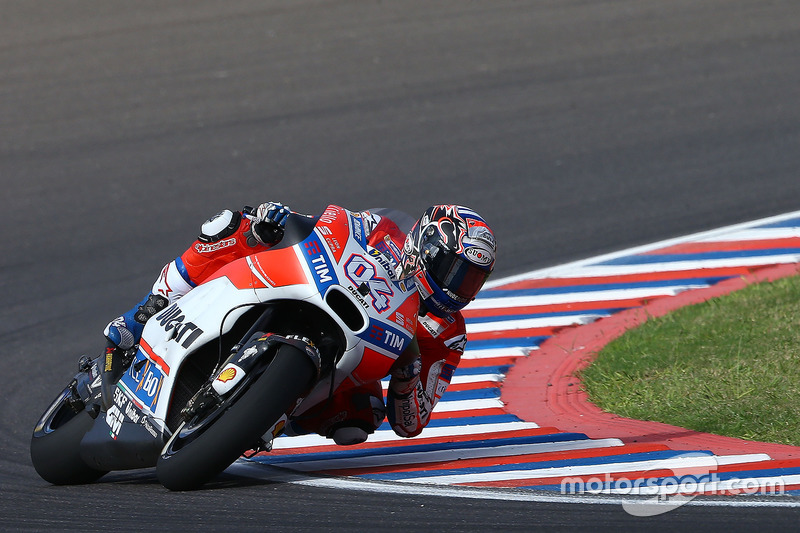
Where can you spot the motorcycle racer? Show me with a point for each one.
(448, 254)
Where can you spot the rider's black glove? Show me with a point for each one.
(269, 220)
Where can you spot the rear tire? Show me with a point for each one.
(55, 444)
(201, 449)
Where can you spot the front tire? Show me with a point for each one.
(55, 444)
(202, 448)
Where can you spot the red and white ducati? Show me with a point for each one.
(265, 338)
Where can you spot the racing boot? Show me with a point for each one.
(348, 417)
(123, 334)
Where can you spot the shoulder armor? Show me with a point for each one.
(222, 225)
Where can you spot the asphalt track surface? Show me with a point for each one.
(575, 126)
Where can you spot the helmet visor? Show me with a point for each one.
(459, 278)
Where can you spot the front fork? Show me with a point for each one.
(257, 351)
(246, 364)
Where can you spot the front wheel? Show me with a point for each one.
(55, 444)
(205, 445)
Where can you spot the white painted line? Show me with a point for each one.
(693, 461)
(476, 378)
(307, 441)
(466, 405)
(464, 379)
(264, 472)
(572, 297)
(491, 353)
(756, 234)
(527, 323)
(421, 458)
(677, 266)
(491, 380)
(725, 460)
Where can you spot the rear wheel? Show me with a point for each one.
(55, 444)
(205, 445)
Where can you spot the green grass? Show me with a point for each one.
(729, 366)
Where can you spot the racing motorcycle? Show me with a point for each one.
(222, 370)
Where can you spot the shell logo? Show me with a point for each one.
(227, 375)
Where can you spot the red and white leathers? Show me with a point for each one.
(411, 398)
(224, 238)
(441, 343)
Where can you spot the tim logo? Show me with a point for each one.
(360, 270)
(319, 264)
(389, 338)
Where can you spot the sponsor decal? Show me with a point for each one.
(390, 250)
(478, 255)
(148, 426)
(431, 325)
(331, 214)
(358, 296)
(333, 243)
(383, 261)
(126, 406)
(441, 388)
(393, 340)
(114, 418)
(228, 378)
(109, 358)
(278, 429)
(172, 318)
(227, 374)
(249, 352)
(406, 315)
(333, 226)
(457, 343)
(208, 248)
(322, 269)
(370, 221)
(312, 247)
(447, 372)
(408, 413)
(163, 282)
(320, 265)
(422, 285)
(383, 335)
(360, 270)
(481, 233)
(144, 380)
(423, 402)
(358, 230)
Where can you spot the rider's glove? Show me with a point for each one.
(405, 379)
(268, 222)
